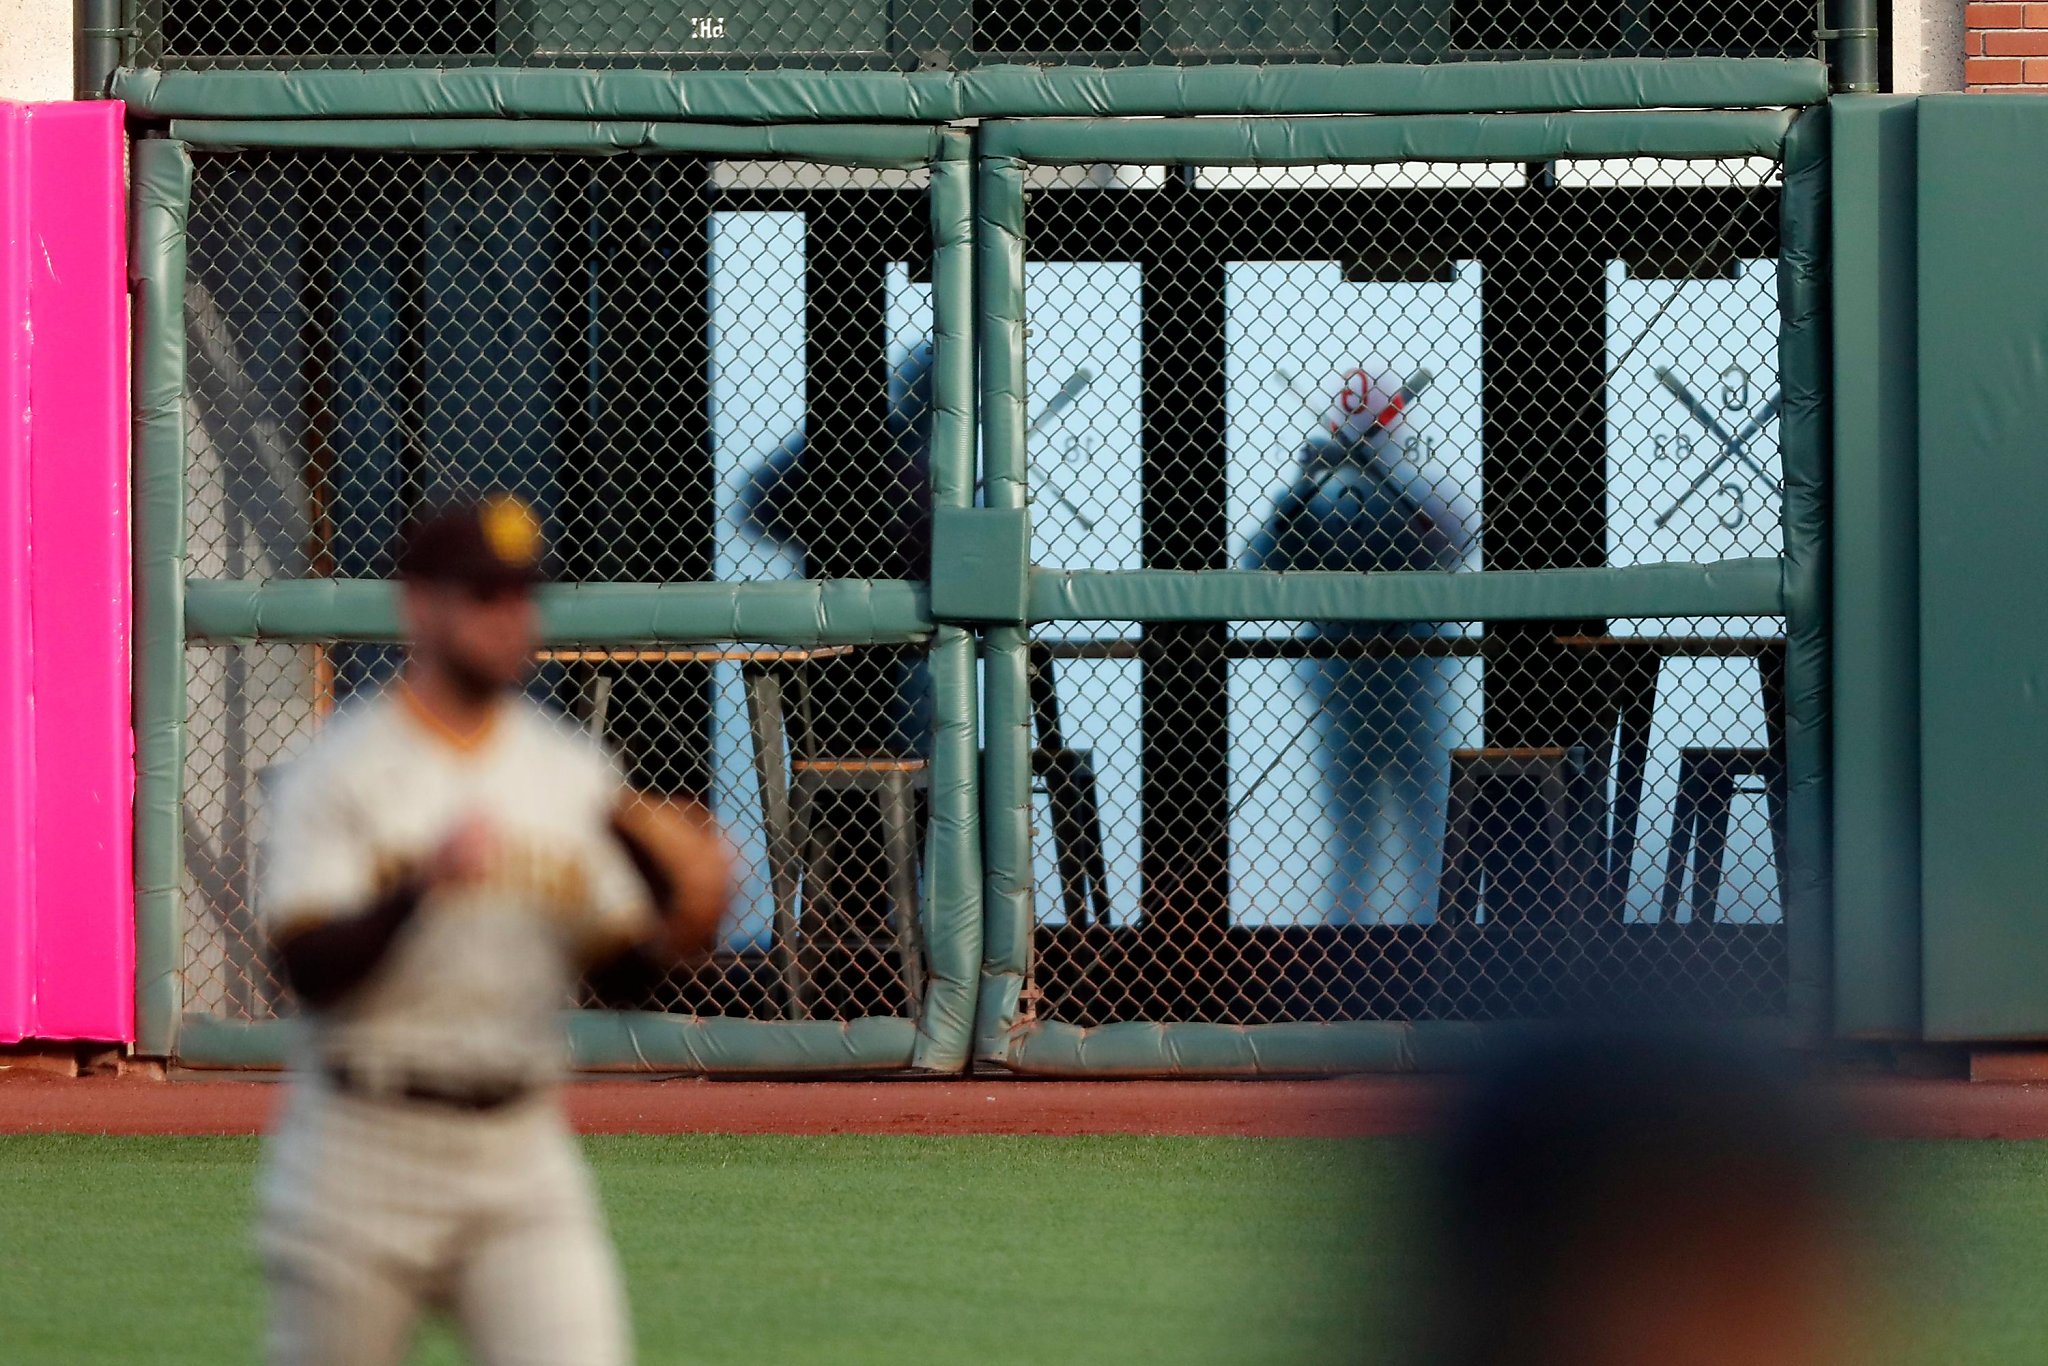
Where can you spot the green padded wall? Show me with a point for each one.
(1876, 677)
(1983, 423)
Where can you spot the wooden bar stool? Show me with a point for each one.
(1707, 781)
(894, 783)
(1484, 784)
(803, 849)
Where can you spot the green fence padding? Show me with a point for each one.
(1804, 437)
(952, 440)
(623, 1041)
(1185, 1049)
(980, 564)
(784, 96)
(999, 296)
(1983, 494)
(887, 146)
(1875, 690)
(1389, 88)
(1006, 840)
(1447, 137)
(952, 893)
(644, 1041)
(160, 184)
(1006, 725)
(779, 96)
(805, 612)
(1729, 588)
(210, 1042)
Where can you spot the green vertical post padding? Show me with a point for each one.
(1804, 434)
(952, 895)
(1006, 772)
(1983, 486)
(1876, 681)
(952, 892)
(160, 177)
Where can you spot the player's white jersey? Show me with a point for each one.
(470, 988)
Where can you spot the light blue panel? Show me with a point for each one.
(757, 370)
(1082, 380)
(1099, 712)
(757, 398)
(1287, 382)
(1692, 433)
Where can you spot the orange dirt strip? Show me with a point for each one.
(42, 1104)
(1352, 1107)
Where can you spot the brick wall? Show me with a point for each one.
(2005, 47)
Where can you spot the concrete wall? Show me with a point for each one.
(1927, 45)
(35, 49)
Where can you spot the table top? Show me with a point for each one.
(1279, 647)
(1705, 647)
(1414, 647)
(695, 654)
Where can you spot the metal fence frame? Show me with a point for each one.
(1793, 585)
(979, 930)
(173, 609)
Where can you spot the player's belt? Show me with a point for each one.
(476, 1099)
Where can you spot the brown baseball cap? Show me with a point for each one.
(489, 542)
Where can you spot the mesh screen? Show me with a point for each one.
(936, 34)
(833, 737)
(1318, 821)
(695, 369)
(1421, 366)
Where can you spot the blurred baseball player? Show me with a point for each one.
(1361, 501)
(443, 864)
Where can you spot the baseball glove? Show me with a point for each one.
(687, 865)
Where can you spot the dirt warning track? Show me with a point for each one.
(1341, 1108)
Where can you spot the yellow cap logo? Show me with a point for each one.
(512, 530)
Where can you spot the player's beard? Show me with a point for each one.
(477, 684)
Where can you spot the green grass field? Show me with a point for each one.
(986, 1250)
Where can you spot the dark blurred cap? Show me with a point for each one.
(489, 542)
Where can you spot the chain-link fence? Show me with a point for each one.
(1363, 369)
(949, 34)
(699, 371)
(1541, 381)
(1358, 827)
(813, 759)
(695, 369)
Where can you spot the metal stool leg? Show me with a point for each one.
(899, 814)
(764, 711)
(816, 866)
(1717, 794)
(1558, 828)
(1683, 819)
(1457, 887)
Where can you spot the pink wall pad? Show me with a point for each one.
(79, 920)
(17, 771)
